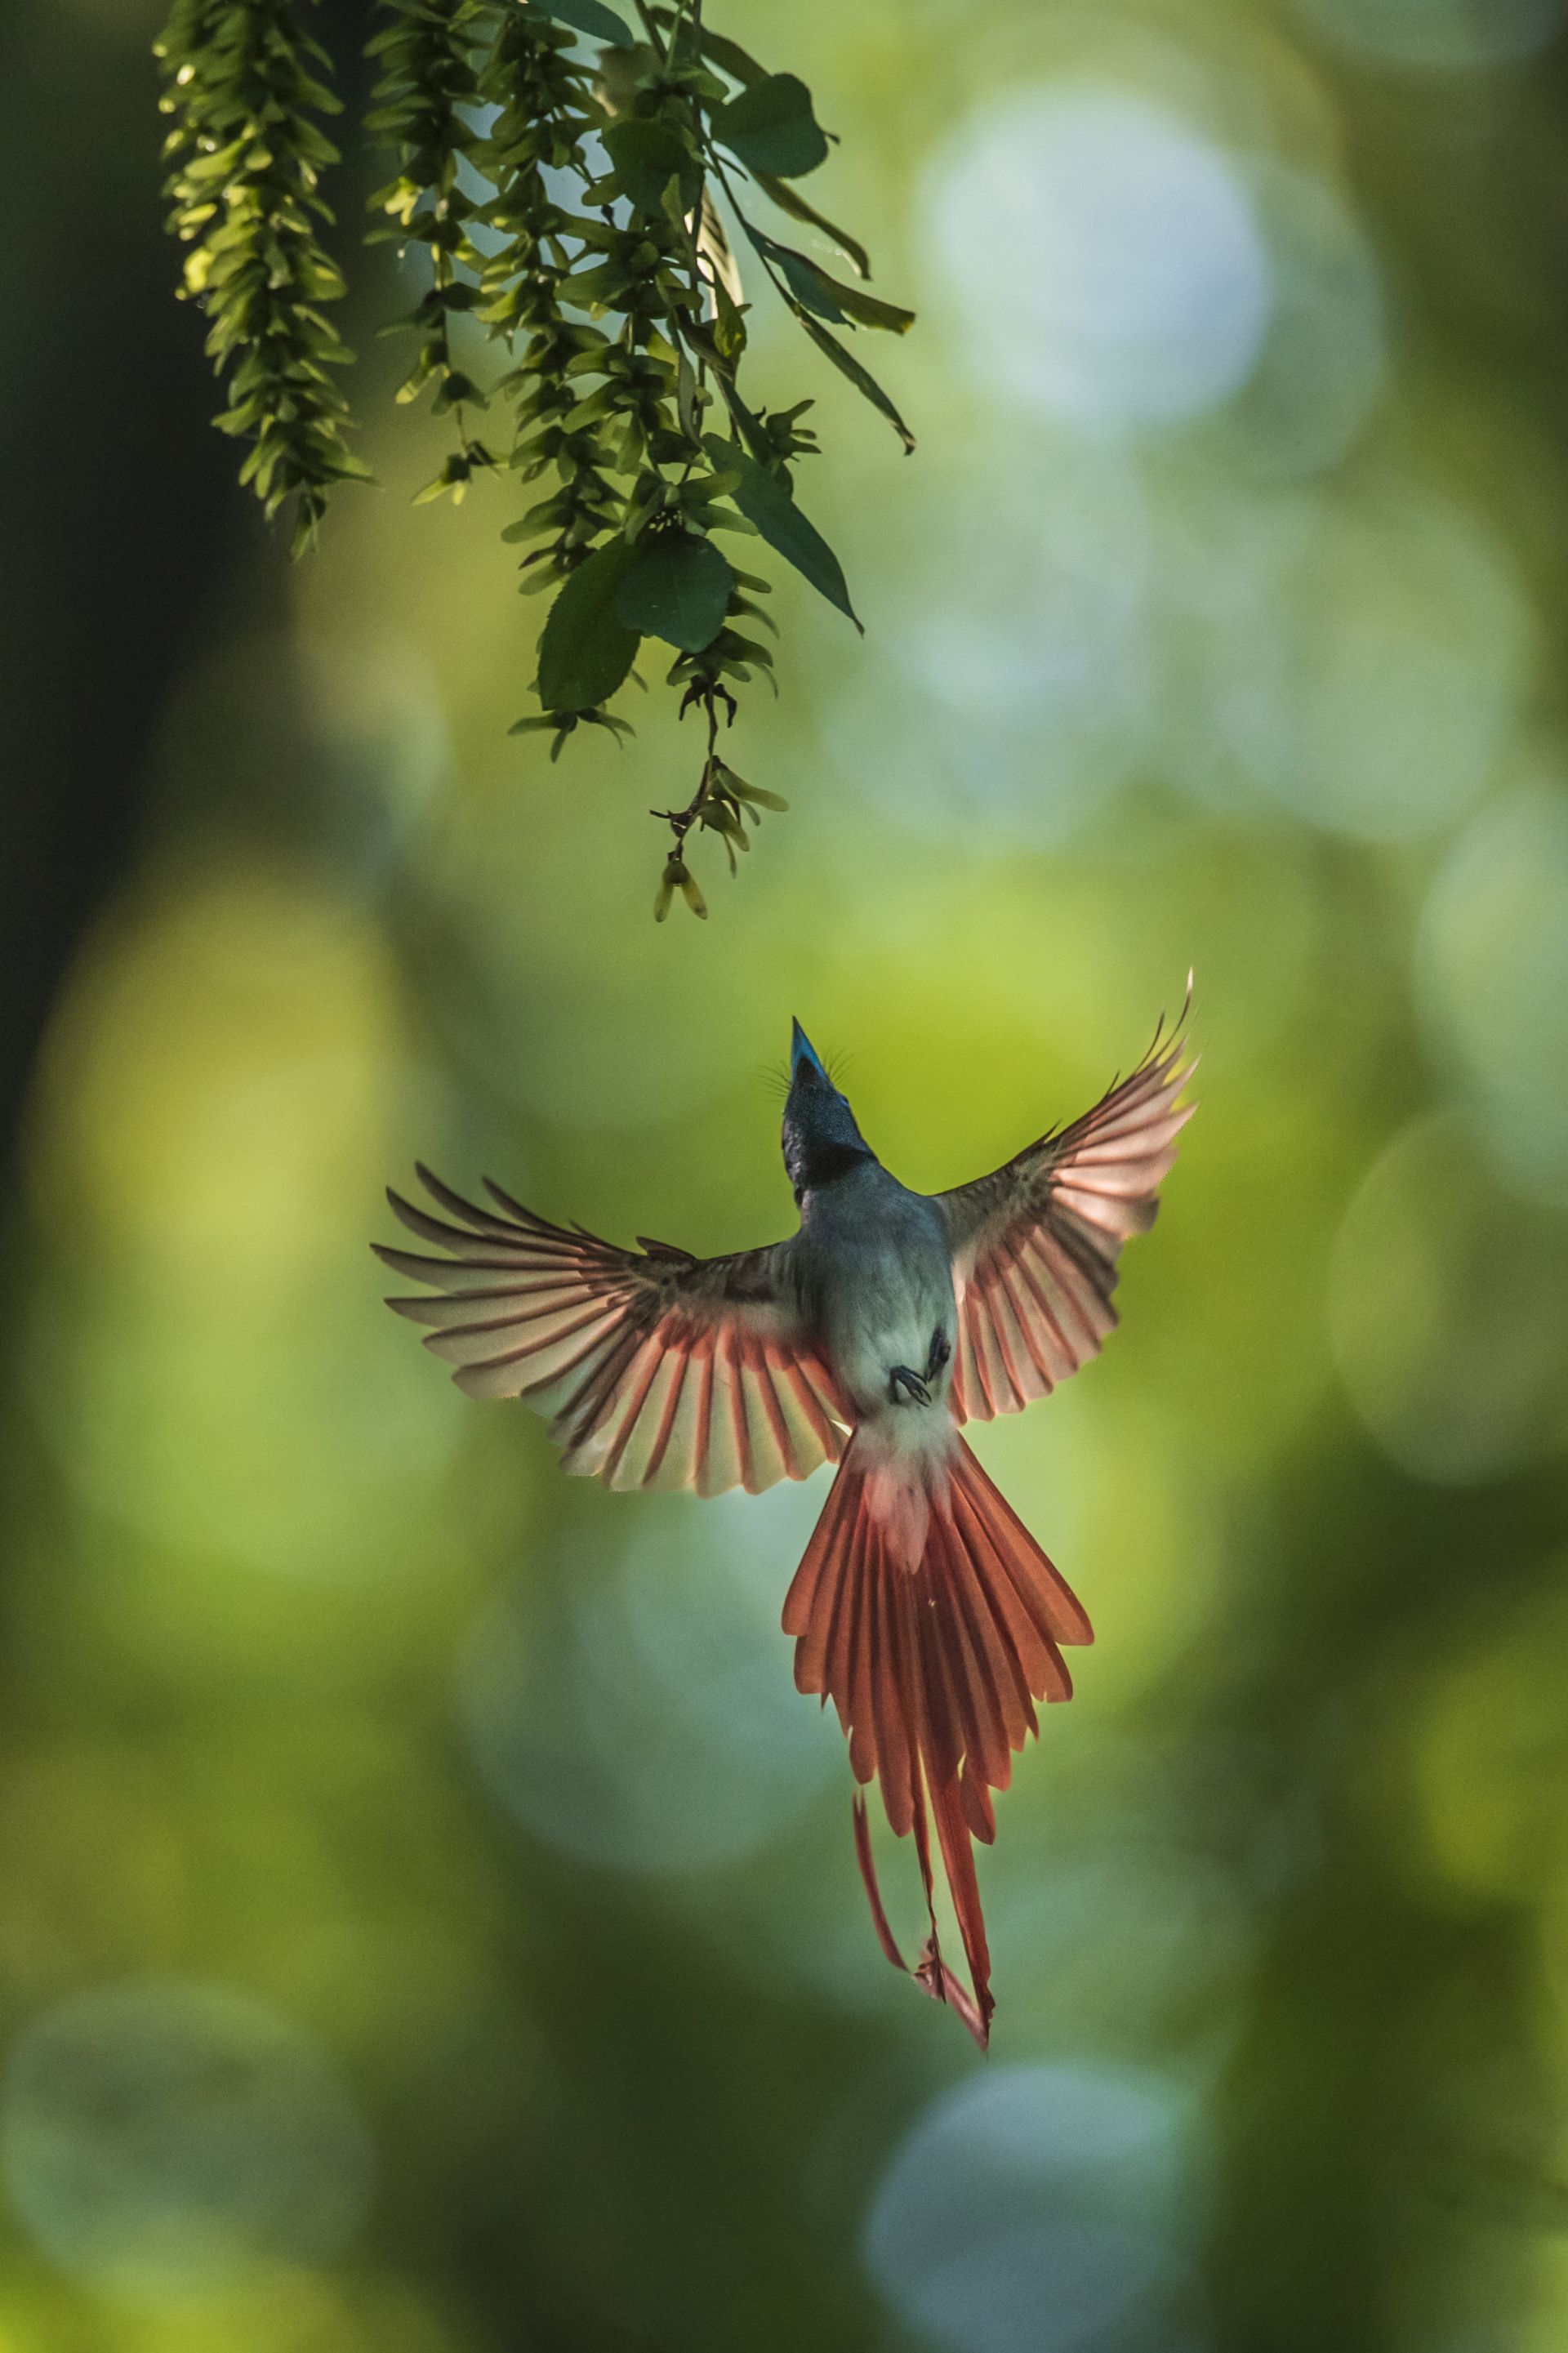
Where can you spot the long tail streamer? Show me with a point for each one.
(934, 1669)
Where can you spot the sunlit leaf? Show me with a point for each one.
(728, 325)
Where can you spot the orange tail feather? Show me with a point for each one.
(934, 1668)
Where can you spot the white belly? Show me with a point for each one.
(887, 1316)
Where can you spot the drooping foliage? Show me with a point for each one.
(246, 156)
(575, 186)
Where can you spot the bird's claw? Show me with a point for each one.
(911, 1384)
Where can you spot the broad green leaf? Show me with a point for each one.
(861, 378)
(647, 156)
(789, 200)
(768, 506)
(677, 587)
(590, 16)
(770, 127)
(587, 649)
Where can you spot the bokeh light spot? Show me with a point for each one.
(156, 2139)
(1038, 2210)
(1103, 256)
(1321, 367)
(1480, 1753)
(658, 1729)
(1362, 663)
(1491, 974)
(219, 1089)
(1016, 700)
(1447, 1304)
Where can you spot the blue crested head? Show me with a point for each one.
(821, 1140)
(801, 1052)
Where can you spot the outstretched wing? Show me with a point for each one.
(1035, 1246)
(655, 1368)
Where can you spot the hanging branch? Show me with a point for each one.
(246, 153)
(545, 117)
(426, 77)
(580, 232)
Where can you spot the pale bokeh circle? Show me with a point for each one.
(658, 1729)
(1102, 255)
(1039, 2209)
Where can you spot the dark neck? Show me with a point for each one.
(821, 1165)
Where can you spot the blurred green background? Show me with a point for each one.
(427, 1917)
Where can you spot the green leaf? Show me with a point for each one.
(587, 649)
(677, 587)
(590, 16)
(866, 310)
(806, 284)
(769, 508)
(727, 55)
(647, 155)
(828, 297)
(772, 128)
(789, 200)
(861, 378)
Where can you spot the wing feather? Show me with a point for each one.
(1035, 1246)
(654, 1369)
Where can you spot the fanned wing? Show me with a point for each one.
(654, 1370)
(1035, 1246)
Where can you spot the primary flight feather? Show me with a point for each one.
(923, 1608)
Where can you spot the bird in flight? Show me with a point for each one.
(924, 1607)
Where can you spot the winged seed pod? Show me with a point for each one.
(677, 876)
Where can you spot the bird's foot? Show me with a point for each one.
(902, 1384)
(939, 1352)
